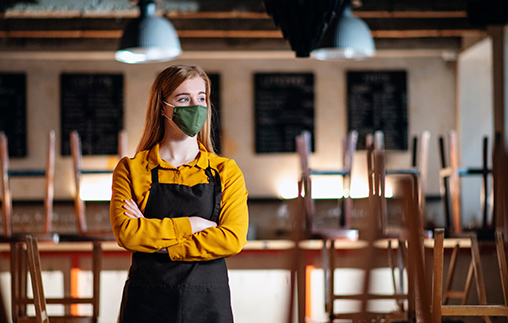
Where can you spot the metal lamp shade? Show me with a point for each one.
(352, 40)
(148, 39)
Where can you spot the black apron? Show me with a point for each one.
(161, 290)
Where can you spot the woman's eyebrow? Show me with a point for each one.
(186, 93)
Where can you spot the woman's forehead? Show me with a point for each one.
(193, 85)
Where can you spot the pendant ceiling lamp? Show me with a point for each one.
(148, 38)
(349, 38)
(302, 22)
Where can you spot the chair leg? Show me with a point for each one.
(501, 258)
(451, 271)
(437, 290)
(97, 265)
(480, 283)
(328, 269)
(36, 278)
(467, 286)
(402, 263)
(397, 288)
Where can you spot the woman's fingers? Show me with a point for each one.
(133, 210)
(200, 224)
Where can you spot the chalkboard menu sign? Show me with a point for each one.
(284, 107)
(13, 112)
(377, 100)
(92, 104)
(215, 99)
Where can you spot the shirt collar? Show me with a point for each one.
(155, 160)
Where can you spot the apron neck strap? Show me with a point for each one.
(215, 180)
(155, 175)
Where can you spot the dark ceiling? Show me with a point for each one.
(60, 25)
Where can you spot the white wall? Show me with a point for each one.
(431, 97)
(475, 120)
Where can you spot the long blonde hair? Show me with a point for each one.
(165, 83)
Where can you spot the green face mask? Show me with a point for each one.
(190, 119)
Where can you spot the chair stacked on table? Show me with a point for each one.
(24, 254)
(375, 229)
(491, 232)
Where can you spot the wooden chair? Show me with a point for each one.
(500, 184)
(96, 237)
(408, 233)
(483, 308)
(79, 172)
(330, 235)
(17, 264)
(440, 307)
(303, 211)
(6, 174)
(39, 299)
(343, 228)
(420, 157)
(450, 175)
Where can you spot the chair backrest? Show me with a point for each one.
(376, 172)
(410, 229)
(450, 175)
(500, 183)
(77, 157)
(6, 173)
(303, 143)
(34, 266)
(420, 162)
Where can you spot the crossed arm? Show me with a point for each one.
(197, 223)
(184, 238)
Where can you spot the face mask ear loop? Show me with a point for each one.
(174, 109)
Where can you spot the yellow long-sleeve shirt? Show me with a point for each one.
(132, 180)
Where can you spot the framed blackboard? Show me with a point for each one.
(92, 104)
(13, 112)
(377, 100)
(284, 107)
(215, 99)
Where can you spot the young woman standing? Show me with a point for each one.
(179, 208)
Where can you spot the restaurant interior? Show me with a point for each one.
(396, 111)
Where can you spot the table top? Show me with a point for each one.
(252, 245)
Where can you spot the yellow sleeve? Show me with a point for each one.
(145, 235)
(230, 235)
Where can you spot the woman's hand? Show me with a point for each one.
(133, 210)
(197, 223)
(200, 224)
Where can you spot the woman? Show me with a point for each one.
(179, 208)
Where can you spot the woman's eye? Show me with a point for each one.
(202, 99)
(183, 100)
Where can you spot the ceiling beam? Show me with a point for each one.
(232, 33)
(128, 14)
